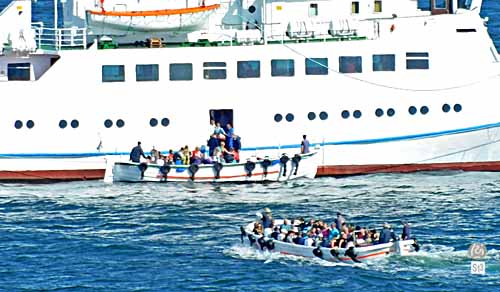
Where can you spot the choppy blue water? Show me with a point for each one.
(97, 237)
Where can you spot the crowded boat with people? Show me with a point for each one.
(340, 241)
(216, 161)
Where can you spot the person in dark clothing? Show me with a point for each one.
(136, 153)
(406, 231)
(212, 143)
(236, 143)
(387, 234)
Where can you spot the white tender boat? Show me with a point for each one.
(347, 255)
(281, 169)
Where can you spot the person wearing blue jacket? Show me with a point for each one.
(387, 234)
(136, 153)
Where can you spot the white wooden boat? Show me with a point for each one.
(190, 18)
(280, 169)
(347, 255)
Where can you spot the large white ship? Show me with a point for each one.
(379, 86)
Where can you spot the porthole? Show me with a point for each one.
(357, 114)
(63, 124)
(165, 122)
(289, 117)
(18, 124)
(424, 110)
(153, 122)
(412, 110)
(75, 124)
(457, 108)
(446, 108)
(30, 124)
(311, 116)
(379, 112)
(108, 123)
(323, 115)
(120, 123)
(278, 118)
(251, 9)
(391, 112)
(345, 114)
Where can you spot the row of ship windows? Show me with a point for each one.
(165, 122)
(63, 124)
(252, 68)
(345, 114)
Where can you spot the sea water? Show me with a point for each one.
(92, 236)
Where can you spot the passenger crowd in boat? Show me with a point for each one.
(222, 146)
(318, 233)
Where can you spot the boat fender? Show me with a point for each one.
(217, 167)
(265, 164)
(142, 167)
(317, 252)
(283, 160)
(295, 162)
(193, 168)
(270, 244)
(243, 233)
(164, 170)
(415, 245)
(335, 253)
(350, 253)
(251, 239)
(249, 167)
(262, 242)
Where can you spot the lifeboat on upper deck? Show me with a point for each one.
(183, 19)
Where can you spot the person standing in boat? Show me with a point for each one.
(387, 234)
(267, 218)
(136, 153)
(230, 134)
(304, 146)
(406, 231)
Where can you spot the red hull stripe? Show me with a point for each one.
(213, 177)
(38, 175)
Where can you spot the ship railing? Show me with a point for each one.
(59, 39)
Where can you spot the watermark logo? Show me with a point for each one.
(477, 251)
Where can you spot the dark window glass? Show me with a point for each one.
(417, 64)
(248, 69)
(355, 7)
(180, 72)
(278, 118)
(311, 116)
(30, 124)
(165, 122)
(412, 110)
(417, 55)
(313, 9)
(282, 68)
(391, 112)
(457, 107)
(120, 123)
(323, 115)
(18, 72)
(446, 108)
(384, 62)
(214, 64)
(357, 114)
(75, 124)
(63, 124)
(18, 124)
(108, 123)
(289, 117)
(214, 73)
(424, 110)
(441, 4)
(345, 114)
(379, 112)
(113, 73)
(317, 66)
(146, 72)
(153, 122)
(350, 65)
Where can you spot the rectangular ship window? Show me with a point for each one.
(282, 67)
(377, 6)
(384, 62)
(350, 64)
(216, 70)
(146, 72)
(113, 73)
(19, 72)
(317, 66)
(313, 9)
(355, 7)
(248, 69)
(181, 72)
(417, 61)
